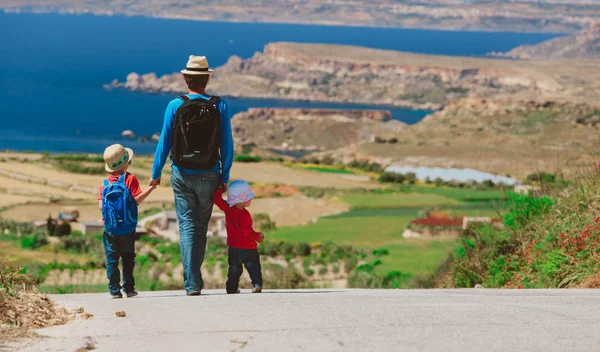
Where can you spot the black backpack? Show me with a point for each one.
(196, 136)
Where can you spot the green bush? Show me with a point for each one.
(309, 272)
(381, 252)
(34, 241)
(263, 223)
(302, 249)
(524, 208)
(350, 263)
(247, 159)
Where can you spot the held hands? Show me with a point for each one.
(222, 186)
(261, 237)
(154, 183)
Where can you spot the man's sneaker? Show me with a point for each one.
(116, 295)
(193, 293)
(131, 294)
(234, 293)
(257, 289)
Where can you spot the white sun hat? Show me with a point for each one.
(117, 157)
(197, 65)
(239, 192)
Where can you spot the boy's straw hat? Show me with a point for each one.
(197, 65)
(239, 192)
(117, 157)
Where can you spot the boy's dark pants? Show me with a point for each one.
(117, 247)
(251, 260)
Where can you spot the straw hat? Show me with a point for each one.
(197, 65)
(117, 157)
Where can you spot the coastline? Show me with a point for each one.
(300, 22)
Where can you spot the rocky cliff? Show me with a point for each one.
(301, 131)
(581, 45)
(338, 73)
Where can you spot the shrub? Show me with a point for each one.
(50, 226)
(263, 222)
(323, 270)
(13, 281)
(393, 140)
(350, 264)
(270, 248)
(34, 241)
(524, 208)
(63, 229)
(302, 249)
(335, 268)
(309, 272)
(247, 159)
(381, 252)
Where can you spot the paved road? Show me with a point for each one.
(336, 320)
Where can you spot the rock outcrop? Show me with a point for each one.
(310, 130)
(581, 45)
(336, 73)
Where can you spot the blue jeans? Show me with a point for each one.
(116, 247)
(193, 205)
(251, 260)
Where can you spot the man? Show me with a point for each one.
(197, 132)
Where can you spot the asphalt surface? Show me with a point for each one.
(335, 320)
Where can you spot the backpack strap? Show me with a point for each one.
(122, 178)
(185, 98)
(214, 100)
(106, 183)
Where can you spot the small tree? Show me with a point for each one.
(64, 229)
(50, 226)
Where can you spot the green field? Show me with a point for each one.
(377, 220)
(463, 195)
(371, 200)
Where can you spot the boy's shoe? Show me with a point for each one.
(116, 295)
(193, 293)
(131, 294)
(257, 289)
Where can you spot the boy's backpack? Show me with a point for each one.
(196, 136)
(119, 208)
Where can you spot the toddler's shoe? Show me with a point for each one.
(257, 289)
(193, 293)
(116, 295)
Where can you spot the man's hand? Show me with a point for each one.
(222, 186)
(154, 183)
(261, 237)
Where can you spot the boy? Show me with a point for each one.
(241, 237)
(119, 197)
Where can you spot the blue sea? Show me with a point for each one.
(53, 67)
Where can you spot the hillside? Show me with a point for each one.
(338, 73)
(308, 130)
(581, 45)
(503, 136)
(553, 16)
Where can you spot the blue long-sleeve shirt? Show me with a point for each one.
(163, 148)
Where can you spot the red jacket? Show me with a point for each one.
(240, 233)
